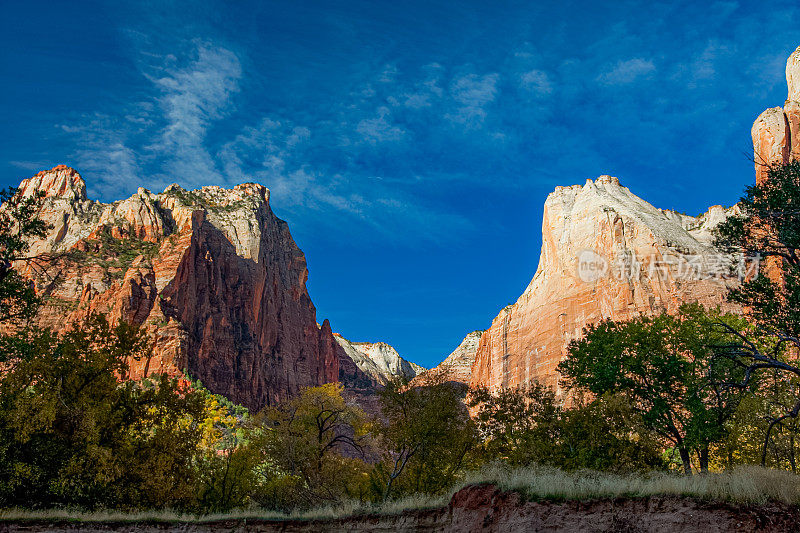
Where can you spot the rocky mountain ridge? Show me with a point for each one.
(211, 274)
(457, 367)
(379, 360)
(607, 253)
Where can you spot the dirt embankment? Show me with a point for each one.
(485, 508)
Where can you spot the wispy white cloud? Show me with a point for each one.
(703, 67)
(537, 81)
(390, 133)
(424, 92)
(104, 152)
(170, 127)
(192, 96)
(170, 135)
(380, 128)
(261, 151)
(475, 90)
(30, 166)
(473, 93)
(389, 74)
(628, 71)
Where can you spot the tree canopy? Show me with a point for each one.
(767, 227)
(665, 366)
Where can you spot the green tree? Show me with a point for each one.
(228, 478)
(747, 439)
(72, 433)
(665, 367)
(527, 425)
(311, 446)
(229, 455)
(768, 227)
(426, 437)
(606, 434)
(518, 426)
(19, 224)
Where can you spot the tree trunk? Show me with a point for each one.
(686, 460)
(704, 461)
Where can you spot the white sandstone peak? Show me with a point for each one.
(379, 360)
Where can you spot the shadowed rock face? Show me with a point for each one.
(213, 276)
(606, 253)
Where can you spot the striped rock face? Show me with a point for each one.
(606, 253)
(212, 275)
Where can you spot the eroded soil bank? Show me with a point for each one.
(485, 508)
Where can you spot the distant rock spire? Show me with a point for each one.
(776, 131)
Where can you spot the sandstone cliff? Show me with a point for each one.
(606, 253)
(609, 254)
(212, 274)
(776, 132)
(457, 366)
(378, 360)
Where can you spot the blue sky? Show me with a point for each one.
(410, 145)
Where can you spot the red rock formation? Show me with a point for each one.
(776, 132)
(605, 254)
(212, 274)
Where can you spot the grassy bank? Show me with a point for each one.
(744, 485)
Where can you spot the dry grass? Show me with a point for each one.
(340, 510)
(746, 484)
